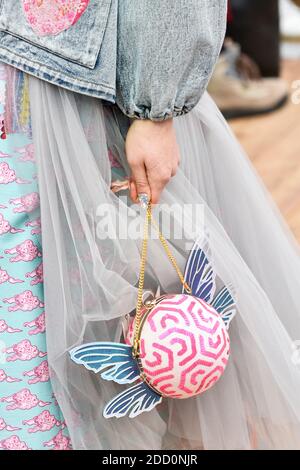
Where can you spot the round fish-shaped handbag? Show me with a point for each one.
(183, 345)
(177, 346)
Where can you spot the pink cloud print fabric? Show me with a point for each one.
(30, 418)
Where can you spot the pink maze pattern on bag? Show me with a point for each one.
(51, 17)
(184, 346)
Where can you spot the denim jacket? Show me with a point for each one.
(152, 57)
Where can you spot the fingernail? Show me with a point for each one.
(132, 190)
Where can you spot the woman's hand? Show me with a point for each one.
(153, 156)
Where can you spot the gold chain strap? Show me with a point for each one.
(149, 219)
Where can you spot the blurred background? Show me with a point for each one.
(256, 84)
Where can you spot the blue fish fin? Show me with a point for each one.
(225, 305)
(132, 402)
(114, 361)
(199, 273)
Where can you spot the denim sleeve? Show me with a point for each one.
(166, 53)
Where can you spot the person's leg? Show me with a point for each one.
(255, 26)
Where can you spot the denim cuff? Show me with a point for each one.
(147, 113)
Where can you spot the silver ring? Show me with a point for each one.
(143, 199)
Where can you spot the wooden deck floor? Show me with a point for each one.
(273, 144)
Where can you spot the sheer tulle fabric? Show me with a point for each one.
(90, 283)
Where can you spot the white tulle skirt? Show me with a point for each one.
(91, 279)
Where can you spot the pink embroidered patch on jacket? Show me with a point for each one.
(51, 17)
